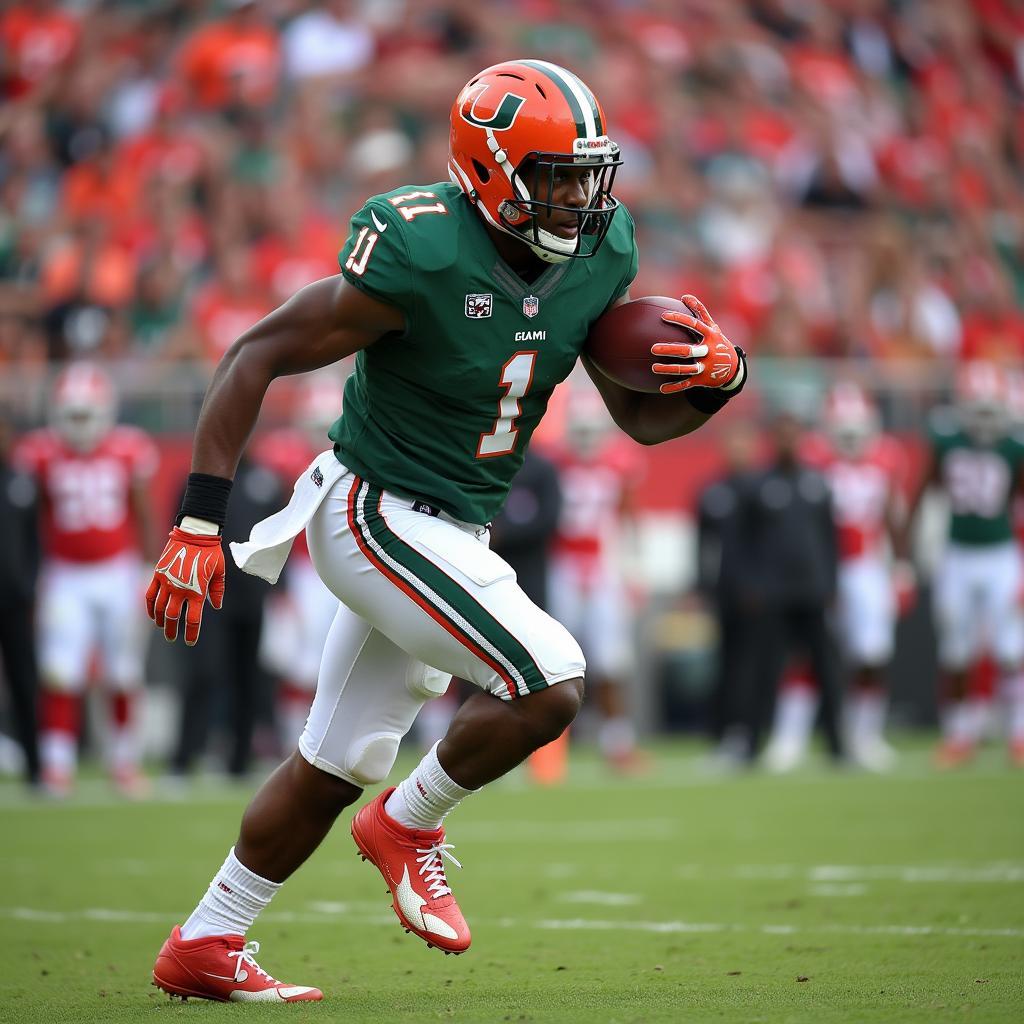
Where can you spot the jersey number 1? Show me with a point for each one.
(516, 376)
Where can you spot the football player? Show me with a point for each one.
(865, 471)
(979, 464)
(588, 592)
(93, 477)
(467, 303)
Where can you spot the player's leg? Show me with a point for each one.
(1007, 640)
(763, 662)
(960, 627)
(362, 708)
(867, 624)
(796, 709)
(245, 680)
(201, 672)
(122, 637)
(437, 591)
(814, 632)
(65, 643)
(608, 643)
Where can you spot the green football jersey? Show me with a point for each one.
(444, 411)
(979, 480)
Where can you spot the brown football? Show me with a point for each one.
(619, 342)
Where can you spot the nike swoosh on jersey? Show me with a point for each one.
(379, 224)
(412, 904)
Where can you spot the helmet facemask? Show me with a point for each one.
(535, 177)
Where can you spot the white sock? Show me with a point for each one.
(234, 900)
(426, 796)
(123, 748)
(867, 716)
(58, 751)
(794, 716)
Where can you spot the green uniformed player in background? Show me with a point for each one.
(979, 465)
(467, 303)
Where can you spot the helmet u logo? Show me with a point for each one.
(501, 119)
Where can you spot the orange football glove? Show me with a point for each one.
(713, 364)
(190, 569)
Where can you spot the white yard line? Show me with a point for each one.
(601, 898)
(108, 915)
(999, 872)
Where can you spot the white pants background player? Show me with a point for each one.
(592, 603)
(88, 609)
(978, 609)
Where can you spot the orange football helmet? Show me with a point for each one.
(512, 127)
(850, 417)
(84, 405)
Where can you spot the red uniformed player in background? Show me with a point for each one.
(588, 590)
(93, 477)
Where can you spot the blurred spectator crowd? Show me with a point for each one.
(835, 179)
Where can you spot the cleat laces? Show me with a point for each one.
(431, 864)
(247, 956)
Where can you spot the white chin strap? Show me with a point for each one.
(566, 246)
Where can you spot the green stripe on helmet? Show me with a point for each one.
(574, 106)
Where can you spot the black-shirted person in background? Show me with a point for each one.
(787, 564)
(720, 574)
(19, 570)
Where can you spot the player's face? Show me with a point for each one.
(561, 185)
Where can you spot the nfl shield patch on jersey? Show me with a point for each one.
(478, 306)
(531, 306)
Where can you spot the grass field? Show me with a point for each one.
(683, 897)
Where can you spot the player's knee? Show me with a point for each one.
(552, 711)
(369, 761)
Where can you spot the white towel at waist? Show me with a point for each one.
(270, 540)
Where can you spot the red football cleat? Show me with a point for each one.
(1017, 753)
(412, 863)
(223, 968)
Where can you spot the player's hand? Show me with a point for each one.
(904, 582)
(715, 363)
(190, 570)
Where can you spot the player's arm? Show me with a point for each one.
(716, 370)
(320, 324)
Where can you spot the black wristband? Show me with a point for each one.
(206, 497)
(710, 400)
